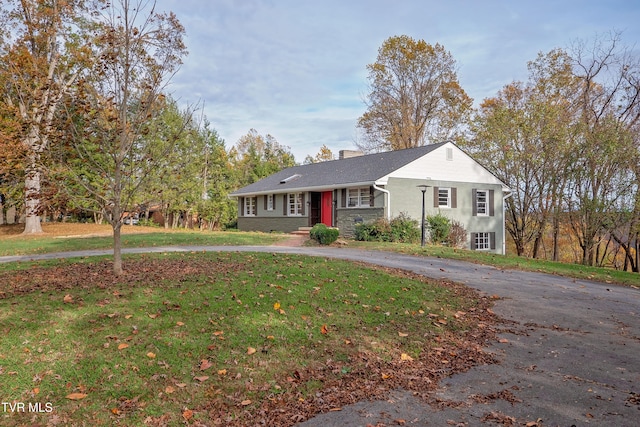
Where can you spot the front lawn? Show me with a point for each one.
(61, 237)
(223, 338)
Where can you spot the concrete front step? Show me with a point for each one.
(302, 231)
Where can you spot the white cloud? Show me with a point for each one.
(296, 69)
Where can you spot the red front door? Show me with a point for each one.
(326, 209)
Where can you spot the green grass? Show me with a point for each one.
(203, 332)
(577, 271)
(44, 244)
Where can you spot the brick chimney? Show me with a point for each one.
(345, 154)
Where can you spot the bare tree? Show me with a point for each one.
(609, 109)
(138, 50)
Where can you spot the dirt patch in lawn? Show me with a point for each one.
(69, 229)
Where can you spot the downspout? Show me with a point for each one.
(504, 230)
(375, 187)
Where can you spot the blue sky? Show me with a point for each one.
(296, 69)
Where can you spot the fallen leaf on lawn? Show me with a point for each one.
(179, 323)
(68, 298)
(128, 316)
(36, 390)
(169, 389)
(276, 306)
(181, 385)
(205, 364)
(218, 333)
(324, 330)
(251, 350)
(122, 346)
(405, 356)
(222, 372)
(151, 355)
(245, 402)
(188, 414)
(76, 396)
(115, 411)
(201, 378)
(402, 334)
(271, 337)
(153, 316)
(442, 321)
(386, 376)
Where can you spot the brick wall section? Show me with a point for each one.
(285, 224)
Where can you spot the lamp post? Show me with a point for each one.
(423, 188)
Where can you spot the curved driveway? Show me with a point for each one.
(570, 356)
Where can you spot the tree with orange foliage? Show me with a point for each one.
(415, 97)
(40, 61)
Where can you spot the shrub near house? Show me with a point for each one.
(323, 234)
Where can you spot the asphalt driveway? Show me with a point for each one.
(569, 353)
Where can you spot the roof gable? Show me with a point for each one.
(446, 163)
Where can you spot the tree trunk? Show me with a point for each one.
(116, 224)
(32, 223)
(117, 250)
(556, 237)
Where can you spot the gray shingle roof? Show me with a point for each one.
(336, 173)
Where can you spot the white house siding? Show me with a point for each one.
(438, 165)
(406, 197)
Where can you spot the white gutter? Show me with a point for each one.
(319, 188)
(504, 231)
(388, 199)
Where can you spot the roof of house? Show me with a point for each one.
(364, 170)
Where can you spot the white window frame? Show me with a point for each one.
(482, 202)
(448, 197)
(270, 204)
(294, 203)
(359, 197)
(250, 206)
(483, 241)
